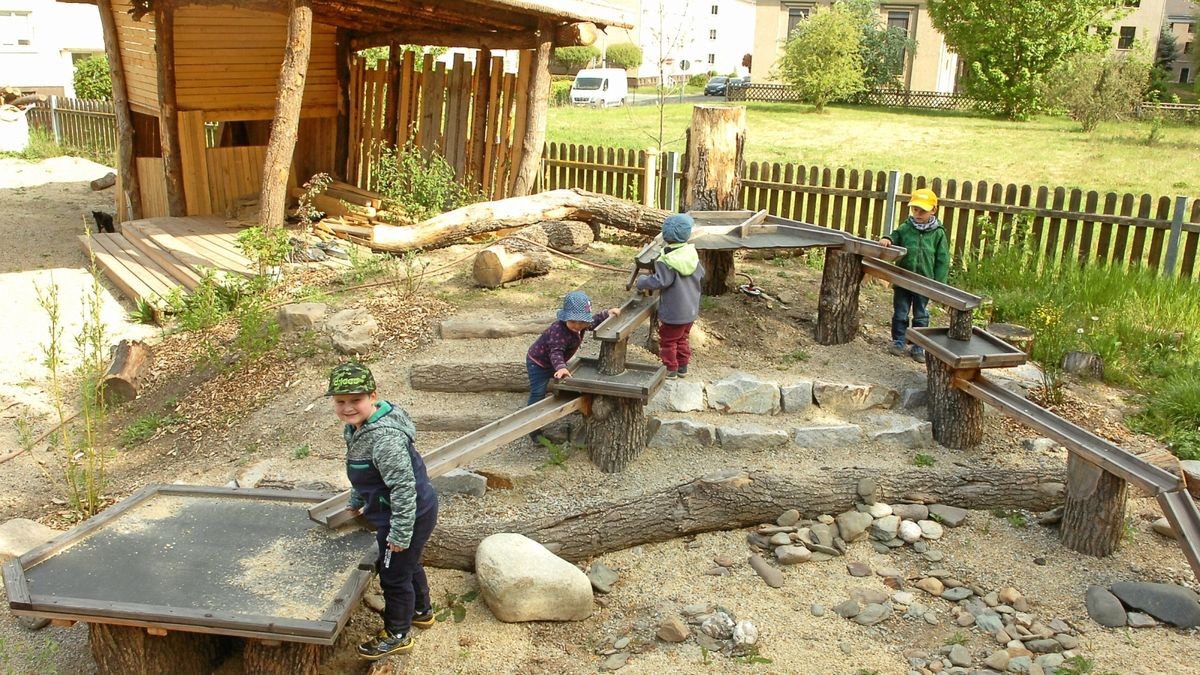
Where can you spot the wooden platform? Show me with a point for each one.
(149, 258)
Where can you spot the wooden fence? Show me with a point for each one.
(1158, 232)
(77, 123)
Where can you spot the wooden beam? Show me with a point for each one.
(168, 121)
(479, 117)
(534, 138)
(278, 161)
(341, 146)
(449, 38)
(131, 191)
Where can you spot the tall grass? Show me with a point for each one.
(1145, 328)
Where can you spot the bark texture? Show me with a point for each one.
(957, 417)
(119, 650)
(509, 260)
(286, 123)
(837, 307)
(616, 432)
(961, 322)
(168, 118)
(535, 127)
(126, 167)
(713, 162)
(1093, 520)
(718, 272)
(568, 236)
(470, 329)
(498, 376)
(120, 383)
(612, 357)
(733, 498)
(286, 658)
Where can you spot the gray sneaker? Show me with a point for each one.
(918, 354)
(897, 350)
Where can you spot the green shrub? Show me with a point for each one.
(417, 183)
(92, 79)
(624, 55)
(698, 80)
(577, 56)
(1095, 88)
(560, 93)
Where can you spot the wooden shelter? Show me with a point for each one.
(221, 101)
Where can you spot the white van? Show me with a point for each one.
(599, 87)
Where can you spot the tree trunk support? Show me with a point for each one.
(286, 123)
(126, 165)
(118, 650)
(837, 308)
(281, 658)
(341, 144)
(716, 140)
(534, 139)
(616, 432)
(1093, 520)
(961, 322)
(957, 417)
(391, 106)
(168, 113)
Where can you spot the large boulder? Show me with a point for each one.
(300, 316)
(839, 397)
(523, 581)
(797, 398)
(742, 393)
(678, 396)
(19, 535)
(352, 331)
(1166, 602)
(751, 437)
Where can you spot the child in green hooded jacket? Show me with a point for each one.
(677, 276)
(928, 254)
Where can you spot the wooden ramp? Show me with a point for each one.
(150, 258)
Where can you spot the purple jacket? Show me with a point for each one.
(557, 344)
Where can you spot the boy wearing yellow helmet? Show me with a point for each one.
(928, 255)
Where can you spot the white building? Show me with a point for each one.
(689, 36)
(40, 40)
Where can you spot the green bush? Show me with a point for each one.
(417, 183)
(698, 80)
(92, 80)
(577, 56)
(624, 55)
(1095, 88)
(821, 59)
(560, 93)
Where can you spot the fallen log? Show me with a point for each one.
(459, 377)
(470, 329)
(447, 228)
(120, 382)
(733, 498)
(568, 236)
(106, 181)
(509, 260)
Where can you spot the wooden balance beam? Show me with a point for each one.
(937, 291)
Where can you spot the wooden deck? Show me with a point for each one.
(150, 258)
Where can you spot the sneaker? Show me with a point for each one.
(384, 644)
(425, 620)
(897, 349)
(682, 370)
(672, 374)
(918, 354)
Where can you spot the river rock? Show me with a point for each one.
(1104, 607)
(872, 614)
(852, 525)
(791, 555)
(461, 482)
(1163, 527)
(1173, 604)
(950, 516)
(770, 575)
(858, 569)
(847, 609)
(673, 630)
(602, 577)
(1140, 620)
(997, 661)
(960, 656)
(788, 518)
(931, 529)
(885, 529)
(956, 594)
(523, 581)
(909, 531)
(931, 586)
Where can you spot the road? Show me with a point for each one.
(652, 99)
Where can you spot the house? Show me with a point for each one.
(40, 41)
(1182, 17)
(1136, 27)
(690, 37)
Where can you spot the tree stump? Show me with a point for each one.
(120, 382)
(612, 357)
(1017, 336)
(616, 432)
(837, 308)
(1083, 364)
(1093, 519)
(129, 649)
(957, 417)
(281, 658)
(712, 181)
(510, 260)
(962, 323)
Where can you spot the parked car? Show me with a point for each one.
(599, 87)
(716, 86)
(736, 82)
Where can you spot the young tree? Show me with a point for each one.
(1095, 88)
(884, 49)
(821, 59)
(92, 79)
(1165, 53)
(624, 55)
(576, 57)
(1009, 48)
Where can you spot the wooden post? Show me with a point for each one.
(961, 321)
(478, 142)
(612, 357)
(716, 140)
(837, 307)
(1094, 516)
(957, 417)
(616, 427)
(650, 179)
(534, 138)
(281, 658)
(128, 649)
(341, 147)
(131, 191)
(391, 105)
(168, 119)
(278, 161)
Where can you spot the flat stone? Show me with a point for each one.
(868, 596)
(931, 529)
(888, 572)
(615, 662)
(956, 594)
(717, 571)
(934, 556)
(779, 539)
(905, 434)
(1045, 646)
(751, 437)
(903, 598)
(1163, 527)
(858, 569)
(1049, 662)
(997, 661)
(1140, 620)
(873, 614)
(827, 436)
(20, 535)
(1039, 444)
(822, 534)
(723, 560)
(684, 433)
(1067, 641)
(866, 489)
(964, 619)
(852, 525)
(622, 643)
(847, 609)
(797, 398)
(909, 531)
(950, 516)
(844, 398)
(880, 510)
(960, 656)
(744, 393)
(1020, 664)
(301, 316)
(678, 396)
(885, 529)
(673, 630)
(352, 331)
(913, 512)
(460, 482)
(931, 618)
(1172, 604)
(791, 555)
(695, 610)
(788, 518)
(914, 396)
(1104, 607)
(602, 577)
(709, 642)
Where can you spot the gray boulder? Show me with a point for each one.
(301, 316)
(683, 433)
(1104, 607)
(743, 393)
(751, 437)
(1173, 604)
(797, 397)
(827, 436)
(852, 525)
(839, 397)
(460, 482)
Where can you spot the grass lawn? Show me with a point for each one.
(1044, 151)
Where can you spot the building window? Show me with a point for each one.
(1187, 48)
(712, 58)
(714, 9)
(1125, 40)
(712, 34)
(16, 29)
(795, 16)
(901, 19)
(1183, 75)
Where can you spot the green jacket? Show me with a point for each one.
(928, 252)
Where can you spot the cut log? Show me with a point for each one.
(962, 321)
(957, 417)
(118, 650)
(286, 122)
(713, 180)
(1017, 336)
(732, 499)
(1093, 519)
(458, 377)
(470, 329)
(106, 181)
(516, 212)
(568, 236)
(120, 383)
(579, 33)
(1083, 364)
(282, 658)
(509, 260)
(616, 432)
(837, 307)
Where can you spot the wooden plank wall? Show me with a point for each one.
(234, 173)
(439, 112)
(153, 182)
(138, 57)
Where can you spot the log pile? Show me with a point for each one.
(524, 254)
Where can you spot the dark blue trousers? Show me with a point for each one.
(902, 301)
(405, 588)
(539, 377)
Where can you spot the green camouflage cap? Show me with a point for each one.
(351, 378)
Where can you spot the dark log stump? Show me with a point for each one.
(616, 432)
(281, 658)
(120, 650)
(1017, 336)
(718, 272)
(120, 382)
(957, 417)
(1093, 519)
(612, 357)
(961, 323)
(837, 308)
